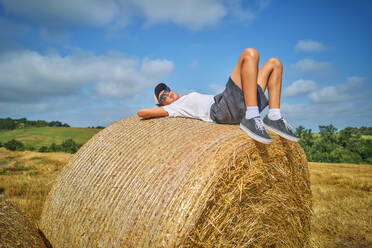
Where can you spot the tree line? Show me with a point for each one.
(69, 146)
(345, 146)
(11, 124)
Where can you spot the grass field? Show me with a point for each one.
(37, 137)
(341, 194)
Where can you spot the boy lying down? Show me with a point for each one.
(240, 103)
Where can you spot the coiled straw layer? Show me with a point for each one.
(177, 182)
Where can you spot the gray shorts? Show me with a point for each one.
(229, 107)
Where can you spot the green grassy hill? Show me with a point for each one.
(39, 136)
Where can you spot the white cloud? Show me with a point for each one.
(339, 93)
(54, 35)
(353, 83)
(28, 76)
(90, 12)
(156, 68)
(348, 101)
(193, 14)
(300, 86)
(309, 46)
(75, 110)
(309, 65)
(23, 109)
(234, 8)
(341, 114)
(329, 94)
(130, 81)
(245, 15)
(320, 112)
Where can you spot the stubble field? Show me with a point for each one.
(342, 194)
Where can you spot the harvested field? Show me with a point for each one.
(27, 177)
(16, 230)
(342, 204)
(180, 182)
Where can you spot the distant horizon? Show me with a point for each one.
(95, 126)
(94, 63)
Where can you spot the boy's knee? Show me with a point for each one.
(250, 53)
(276, 63)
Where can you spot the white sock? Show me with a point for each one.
(274, 114)
(251, 111)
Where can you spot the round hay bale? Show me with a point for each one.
(177, 182)
(16, 230)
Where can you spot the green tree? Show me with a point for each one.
(14, 145)
(351, 139)
(365, 130)
(306, 139)
(69, 146)
(365, 151)
(41, 123)
(43, 149)
(55, 124)
(328, 132)
(346, 146)
(7, 124)
(321, 149)
(342, 155)
(54, 148)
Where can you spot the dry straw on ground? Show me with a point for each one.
(342, 204)
(16, 230)
(176, 182)
(26, 178)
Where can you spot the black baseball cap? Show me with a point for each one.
(159, 88)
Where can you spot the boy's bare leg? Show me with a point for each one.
(270, 76)
(245, 75)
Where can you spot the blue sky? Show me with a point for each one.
(94, 62)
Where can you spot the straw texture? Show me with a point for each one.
(177, 182)
(16, 230)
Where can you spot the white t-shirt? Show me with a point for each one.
(193, 105)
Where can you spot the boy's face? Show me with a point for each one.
(170, 97)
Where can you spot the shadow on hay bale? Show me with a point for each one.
(176, 182)
(16, 230)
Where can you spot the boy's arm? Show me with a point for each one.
(152, 112)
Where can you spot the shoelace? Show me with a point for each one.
(289, 127)
(259, 124)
